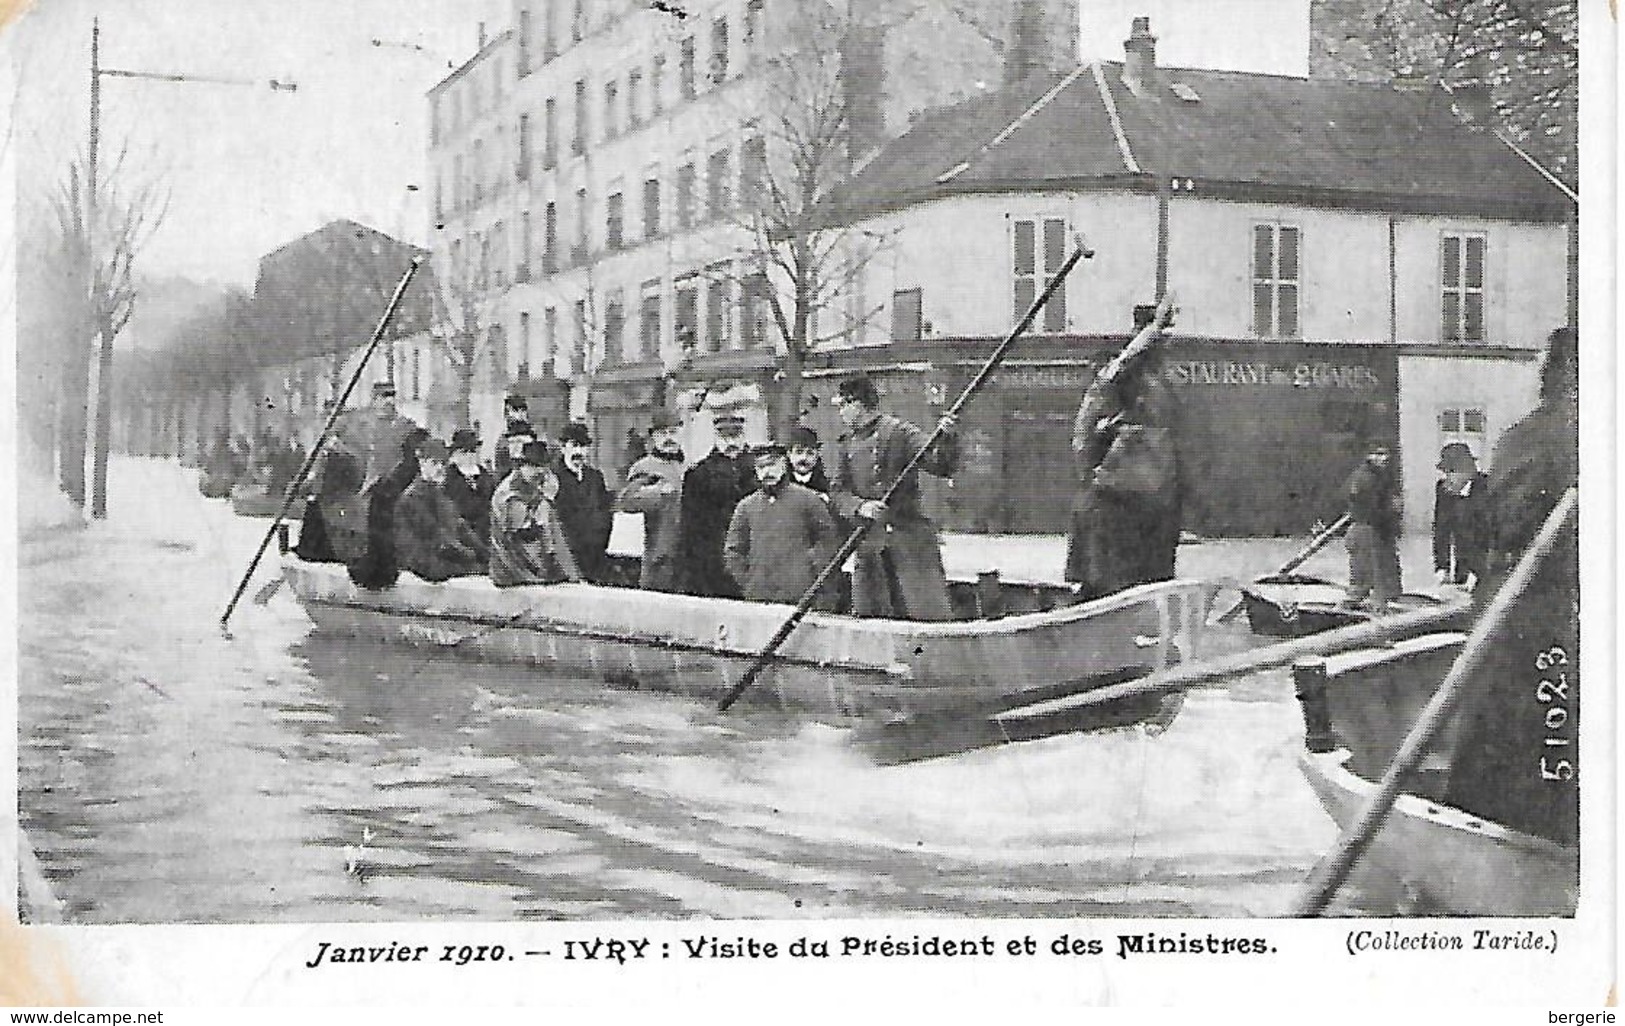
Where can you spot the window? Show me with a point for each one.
(1462, 261)
(578, 356)
(752, 172)
(550, 238)
(477, 172)
(651, 207)
(485, 261)
(757, 313)
(416, 372)
(524, 344)
(613, 221)
(685, 196)
(719, 51)
(578, 251)
(550, 43)
(550, 335)
(718, 321)
(578, 21)
(439, 207)
(524, 43)
(578, 140)
(753, 21)
(522, 272)
(499, 253)
(685, 68)
(522, 170)
(716, 185)
(685, 313)
(612, 99)
(1275, 280)
(434, 120)
(906, 322)
(1035, 264)
(614, 325)
(634, 97)
(657, 75)
(550, 134)
(649, 321)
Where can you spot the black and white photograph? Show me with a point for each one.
(569, 502)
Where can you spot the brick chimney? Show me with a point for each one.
(1026, 53)
(1140, 58)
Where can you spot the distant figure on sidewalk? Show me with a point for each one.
(1126, 517)
(654, 488)
(781, 535)
(527, 541)
(1373, 537)
(1460, 518)
(898, 570)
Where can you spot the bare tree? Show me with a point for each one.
(97, 257)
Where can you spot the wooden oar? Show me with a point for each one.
(1186, 675)
(1335, 868)
(804, 605)
(316, 449)
(1317, 543)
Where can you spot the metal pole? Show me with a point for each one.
(98, 447)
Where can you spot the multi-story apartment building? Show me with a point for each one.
(588, 162)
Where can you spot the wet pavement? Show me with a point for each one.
(170, 773)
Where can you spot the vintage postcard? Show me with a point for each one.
(932, 504)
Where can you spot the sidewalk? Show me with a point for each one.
(1042, 557)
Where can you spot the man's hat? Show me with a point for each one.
(576, 432)
(766, 449)
(383, 388)
(664, 419)
(803, 436)
(535, 453)
(1457, 456)
(433, 449)
(728, 422)
(465, 440)
(859, 387)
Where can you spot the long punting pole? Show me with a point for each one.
(1335, 868)
(1079, 252)
(327, 429)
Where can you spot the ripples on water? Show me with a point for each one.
(169, 773)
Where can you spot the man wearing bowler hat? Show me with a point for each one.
(469, 486)
(527, 542)
(711, 490)
(806, 459)
(654, 488)
(1460, 515)
(781, 535)
(583, 502)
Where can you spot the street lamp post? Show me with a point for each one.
(104, 365)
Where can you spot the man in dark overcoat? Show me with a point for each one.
(469, 486)
(711, 490)
(1373, 535)
(781, 536)
(583, 502)
(431, 538)
(1460, 517)
(898, 571)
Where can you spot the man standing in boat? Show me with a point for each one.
(654, 488)
(1517, 758)
(899, 571)
(1373, 537)
(470, 486)
(781, 535)
(583, 502)
(1126, 518)
(711, 490)
(431, 538)
(527, 541)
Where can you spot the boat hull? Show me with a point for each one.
(1450, 861)
(834, 667)
(1293, 607)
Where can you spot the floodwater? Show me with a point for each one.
(170, 773)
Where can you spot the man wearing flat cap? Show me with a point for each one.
(527, 542)
(781, 535)
(583, 502)
(431, 538)
(711, 490)
(654, 488)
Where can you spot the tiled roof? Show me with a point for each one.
(1245, 136)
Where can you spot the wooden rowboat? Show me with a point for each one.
(1357, 708)
(1293, 605)
(1018, 638)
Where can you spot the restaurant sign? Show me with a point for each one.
(1320, 375)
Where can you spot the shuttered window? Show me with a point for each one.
(1039, 251)
(1275, 280)
(1462, 271)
